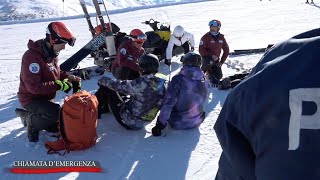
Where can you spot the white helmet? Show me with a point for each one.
(178, 31)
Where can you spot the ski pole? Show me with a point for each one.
(63, 7)
(169, 73)
(105, 8)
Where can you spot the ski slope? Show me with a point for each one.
(137, 155)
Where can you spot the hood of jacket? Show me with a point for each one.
(193, 73)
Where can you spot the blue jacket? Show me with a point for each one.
(269, 126)
(184, 100)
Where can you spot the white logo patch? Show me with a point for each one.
(201, 42)
(34, 68)
(123, 51)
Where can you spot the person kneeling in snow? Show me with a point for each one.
(125, 66)
(179, 37)
(269, 126)
(146, 94)
(41, 78)
(183, 103)
(210, 47)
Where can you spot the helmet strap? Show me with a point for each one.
(49, 39)
(48, 52)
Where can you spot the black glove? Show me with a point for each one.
(192, 49)
(156, 131)
(167, 62)
(76, 86)
(182, 58)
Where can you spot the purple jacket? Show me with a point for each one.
(183, 103)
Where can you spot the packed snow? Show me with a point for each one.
(137, 155)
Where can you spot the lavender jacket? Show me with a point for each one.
(183, 103)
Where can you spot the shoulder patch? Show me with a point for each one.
(201, 42)
(123, 51)
(34, 68)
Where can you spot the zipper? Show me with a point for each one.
(84, 114)
(84, 102)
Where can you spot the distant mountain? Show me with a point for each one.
(11, 10)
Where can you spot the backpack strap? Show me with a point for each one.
(55, 147)
(59, 145)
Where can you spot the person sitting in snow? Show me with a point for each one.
(179, 37)
(184, 101)
(269, 125)
(210, 47)
(41, 78)
(125, 65)
(146, 94)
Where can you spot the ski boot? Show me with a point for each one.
(33, 134)
(224, 84)
(23, 114)
(214, 83)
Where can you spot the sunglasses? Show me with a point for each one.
(140, 37)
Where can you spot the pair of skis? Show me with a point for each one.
(91, 46)
(250, 51)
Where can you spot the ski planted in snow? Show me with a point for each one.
(99, 14)
(90, 47)
(87, 16)
(110, 44)
(106, 56)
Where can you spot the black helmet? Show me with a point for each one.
(149, 63)
(191, 59)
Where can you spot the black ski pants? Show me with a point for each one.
(101, 95)
(185, 48)
(214, 72)
(44, 115)
(125, 73)
(115, 102)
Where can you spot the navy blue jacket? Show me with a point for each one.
(269, 126)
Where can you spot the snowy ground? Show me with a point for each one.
(137, 154)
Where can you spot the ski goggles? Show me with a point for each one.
(214, 23)
(70, 41)
(139, 38)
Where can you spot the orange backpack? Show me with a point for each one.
(77, 123)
